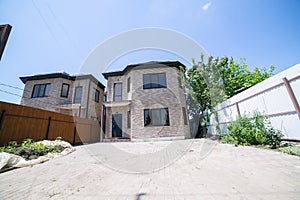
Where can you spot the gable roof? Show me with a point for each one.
(64, 75)
(152, 64)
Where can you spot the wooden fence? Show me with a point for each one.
(19, 122)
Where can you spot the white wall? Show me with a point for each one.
(272, 102)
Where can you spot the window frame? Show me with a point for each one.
(45, 91)
(150, 113)
(119, 95)
(62, 87)
(75, 93)
(155, 80)
(95, 95)
(128, 84)
(129, 119)
(184, 115)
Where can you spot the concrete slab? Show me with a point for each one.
(203, 169)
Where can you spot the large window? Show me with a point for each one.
(156, 117)
(118, 92)
(78, 94)
(95, 95)
(64, 90)
(41, 90)
(154, 81)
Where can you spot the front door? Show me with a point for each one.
(117, 125)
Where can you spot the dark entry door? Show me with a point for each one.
(117, 125)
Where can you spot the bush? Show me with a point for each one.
(256, 130)
(29, 149)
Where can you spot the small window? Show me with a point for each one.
(179, 81)
(128, 84)
(128, 119)
(184, 116)
(154, 81)
(156, 117)
(95, 95)
(78, 94)
(64, 90)
(118, 92)
(41, 90)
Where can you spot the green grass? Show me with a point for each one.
(290, 149)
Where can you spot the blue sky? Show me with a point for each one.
(58, 35)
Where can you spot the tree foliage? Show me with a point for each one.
(210, 82)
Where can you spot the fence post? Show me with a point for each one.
(292, 95)
(48, 128)
(2, 117)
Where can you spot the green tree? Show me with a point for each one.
(210, 83)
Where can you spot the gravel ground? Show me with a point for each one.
(186, 169)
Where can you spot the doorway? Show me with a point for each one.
(117, 125)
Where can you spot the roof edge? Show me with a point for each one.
(176, 64)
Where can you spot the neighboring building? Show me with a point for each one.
(146, 101)
(80, 96)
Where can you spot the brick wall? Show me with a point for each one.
(171, 97)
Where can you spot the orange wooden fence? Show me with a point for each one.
(19, 122)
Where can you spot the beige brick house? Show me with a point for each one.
(81, 95)
(146, 101)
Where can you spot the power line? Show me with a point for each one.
(24, 90)
(10, 93)
(11, 86)
(14, 94)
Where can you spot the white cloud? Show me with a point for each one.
(206, 6)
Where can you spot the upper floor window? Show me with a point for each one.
(96, 94)
(65, 90)
(118, 92)
(78, 94)
(156, 117)
(154, 81)
(179, 80)
(41, 90)
(128, 84)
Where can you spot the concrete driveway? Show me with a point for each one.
(188, 169)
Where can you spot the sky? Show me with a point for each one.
(59, 35)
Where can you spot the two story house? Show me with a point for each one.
(146, 101)
(80, 95)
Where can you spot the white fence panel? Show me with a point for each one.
(271, 97)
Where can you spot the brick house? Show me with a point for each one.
(80, 95)
(146, 101)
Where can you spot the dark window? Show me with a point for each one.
(154, 81)
(128, 119)
(78, 94)
(64, 90)
(156, 117)
(179, 81)
(128, 84)
(41, 90)
(118, 92)
(184, 115)
(96, 94)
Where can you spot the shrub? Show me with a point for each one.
(256, 130)
(29, 149)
